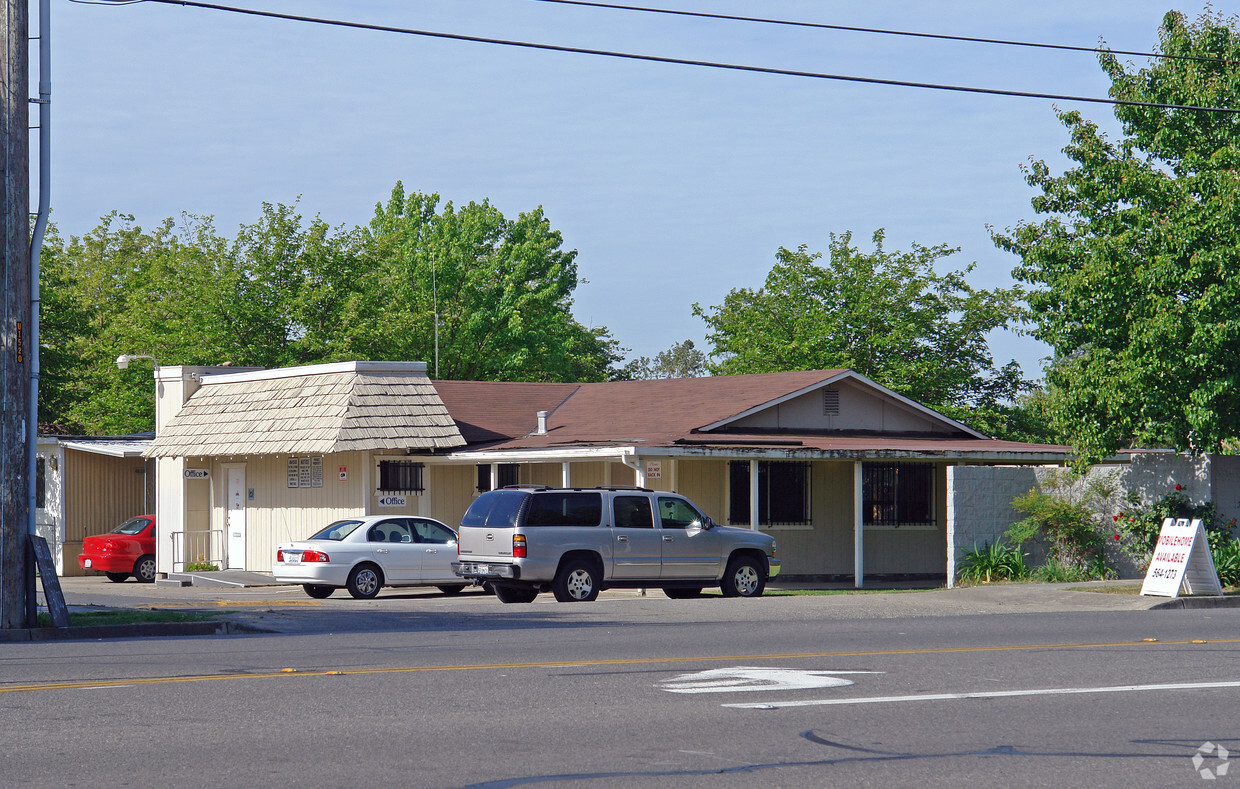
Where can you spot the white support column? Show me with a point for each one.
(494, 475)
(672, 481)
(858, 527)
(564, 478)
(753, 495)
(951, 526)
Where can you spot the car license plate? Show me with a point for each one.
(292, 558)
(482, 568)
(88, 562)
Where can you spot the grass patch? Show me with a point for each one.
(125, 616)
(1109, 589)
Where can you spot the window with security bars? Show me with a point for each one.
(897, 494)
(507, 473)
(783, 493)
(400, 475)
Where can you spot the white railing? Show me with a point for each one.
(197, 547)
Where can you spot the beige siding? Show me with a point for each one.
(704, 482)
(892, 551)
(453, 489)
(101, 492)
(278, 513)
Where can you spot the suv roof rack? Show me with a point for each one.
(624, 487)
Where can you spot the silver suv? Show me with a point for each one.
(576, 542)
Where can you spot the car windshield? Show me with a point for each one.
(132, 526)
(337, 531)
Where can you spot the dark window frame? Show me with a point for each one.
(402, 476)
(898, 494)
(784, 492)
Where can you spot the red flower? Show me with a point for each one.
(1177, 487)
(1114, 517)
(1117, 536)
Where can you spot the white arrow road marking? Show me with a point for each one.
(992, 694)
(748, 678)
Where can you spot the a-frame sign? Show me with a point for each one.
(1182, 562)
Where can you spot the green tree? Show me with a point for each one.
(1132, 272)
(887, 315)
(285, 292)
(501, 290)
(682, 360)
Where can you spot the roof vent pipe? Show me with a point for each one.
(542, 424)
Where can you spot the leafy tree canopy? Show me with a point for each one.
(1133, 274)
(887, 315)
(682, 360)
(284, 292)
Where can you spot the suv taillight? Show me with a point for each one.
(518, 546)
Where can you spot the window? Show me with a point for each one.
(679, 514)
(783, 492)
(40, 483)
(508, 473)
(632, 512)
(897, 494)
(390, 531)
(429, 531)
(565, 509)
(400, 475)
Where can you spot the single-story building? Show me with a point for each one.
(87, 485)
(849, 476)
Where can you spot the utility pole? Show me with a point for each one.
(15, 371)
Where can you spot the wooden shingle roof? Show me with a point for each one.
(326, 409)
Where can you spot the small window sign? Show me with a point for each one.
(197, 473)
(393, 501)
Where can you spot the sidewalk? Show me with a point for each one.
(246, 593)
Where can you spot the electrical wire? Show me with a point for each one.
(883, 31)
(669, 60)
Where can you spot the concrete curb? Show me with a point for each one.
(137, 630)
(1227, 601)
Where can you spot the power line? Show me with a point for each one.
(883, 31)
(668, 60)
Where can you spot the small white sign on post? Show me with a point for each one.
(1181, 561)
(654, 469)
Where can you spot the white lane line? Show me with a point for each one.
(993, 694)
(753, 678)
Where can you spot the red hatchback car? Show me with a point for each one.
(127, 550)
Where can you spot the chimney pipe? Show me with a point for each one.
(542, 424)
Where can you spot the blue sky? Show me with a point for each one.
(674, 184)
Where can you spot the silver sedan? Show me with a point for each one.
(366, 554)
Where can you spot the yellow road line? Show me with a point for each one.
(609, 662)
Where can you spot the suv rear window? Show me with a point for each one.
(565, 509)
(497, 509)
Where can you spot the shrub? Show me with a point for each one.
(1067, 528)
(1227, 561)
(200, 567)
(992, 563)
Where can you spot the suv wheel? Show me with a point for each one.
(577, 581)
(514, 594)
(681, 593)
(744, 578)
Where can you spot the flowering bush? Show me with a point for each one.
(1141, 525)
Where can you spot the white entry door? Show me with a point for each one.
(234, 525)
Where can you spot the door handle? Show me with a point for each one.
(621, 538)
(381, 550)
(431, 550)
(669, 539)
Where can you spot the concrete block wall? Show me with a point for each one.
(979, 498)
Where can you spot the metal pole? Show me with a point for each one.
(15, 446)
(36, 248)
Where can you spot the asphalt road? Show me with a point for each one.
(1008, 687)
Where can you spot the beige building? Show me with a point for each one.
(849, 476)
(86, 486)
